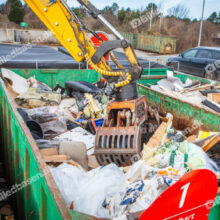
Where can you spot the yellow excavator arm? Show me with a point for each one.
(125, 116)
(70, 31)
(62, 24)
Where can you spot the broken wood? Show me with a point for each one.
(211, 142)
(73, 163)
(157, 139)
(154, 77)
(206, 86)
(55, 159)
(215, 97)
(49, 151)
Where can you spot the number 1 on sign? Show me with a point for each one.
(185, 190)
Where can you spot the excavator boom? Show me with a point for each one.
(120, 136)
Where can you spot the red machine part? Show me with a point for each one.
(191, 198)
(98, 43)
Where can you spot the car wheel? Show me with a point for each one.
(210, 75)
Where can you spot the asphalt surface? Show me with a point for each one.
(46, 57)
(34, 56)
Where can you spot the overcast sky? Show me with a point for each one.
(195, 6)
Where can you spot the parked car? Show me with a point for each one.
(199, 61)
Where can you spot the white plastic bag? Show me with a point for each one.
(88, 191)
(140, 171)
(105, 181)
(67, 178)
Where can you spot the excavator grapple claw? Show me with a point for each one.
(119, 138)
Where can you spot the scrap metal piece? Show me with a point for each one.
(119, 138)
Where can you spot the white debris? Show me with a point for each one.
(18, 83)
(81, 135)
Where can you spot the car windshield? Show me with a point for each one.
(190, 53)
(204, 54)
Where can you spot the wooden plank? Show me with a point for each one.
(206, 86)
(211, 142)
(154, 77)
(156, 140)
(55, 159)
(49, 151)
(215, 97)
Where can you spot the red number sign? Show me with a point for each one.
(191, 198)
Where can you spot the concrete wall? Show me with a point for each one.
(27, 36)
(35, 37)
(31, 36)
(7, 35)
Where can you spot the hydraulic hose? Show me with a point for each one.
(110, 73)
(115, 60)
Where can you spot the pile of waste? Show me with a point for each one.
(63, 121)
(193, 91)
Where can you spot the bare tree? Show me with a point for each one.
(179, 11)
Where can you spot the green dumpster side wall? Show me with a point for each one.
(165, 103)
(22, 166)
(215, 211)
(33, 196)
(53, 76)
(37, 201)
(180, 109)
(174, 106)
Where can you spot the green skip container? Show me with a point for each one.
(42, 199)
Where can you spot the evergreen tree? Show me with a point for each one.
(152, 6)
(121, 15)
(17, 12)
(214, 18)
